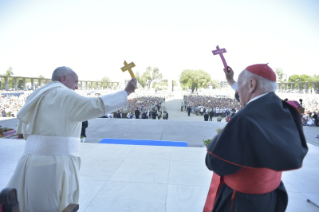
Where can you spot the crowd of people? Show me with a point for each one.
(147, 105)
(209, 106)
(143, 107)
(11, 102)
(309, 102)
(310, 119)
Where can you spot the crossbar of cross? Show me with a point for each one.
(220, 52)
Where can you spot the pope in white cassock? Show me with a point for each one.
(47, 175)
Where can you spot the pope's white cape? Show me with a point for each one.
(28, 112)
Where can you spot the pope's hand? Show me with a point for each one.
(229, 73)
(131, 86)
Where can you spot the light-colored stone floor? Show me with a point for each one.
(166, 179)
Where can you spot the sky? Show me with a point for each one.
(94, 37)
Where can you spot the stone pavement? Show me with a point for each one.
(122, 178)
(193, 132)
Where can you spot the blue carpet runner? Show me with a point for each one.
(143, 142)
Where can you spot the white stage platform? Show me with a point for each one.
(122, 178)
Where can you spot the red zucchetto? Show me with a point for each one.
(262, 70)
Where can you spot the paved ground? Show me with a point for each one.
(128, 178)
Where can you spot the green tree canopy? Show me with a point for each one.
(149, 77)
(280, 75)
(10, 80)
(215, 84)
(194, 79)
(9, 72)
(161, 85)
(140, 81)
(302, 78)
(104, 81)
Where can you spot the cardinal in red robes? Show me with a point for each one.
(261, 141)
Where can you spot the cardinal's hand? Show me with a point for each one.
(229, 73)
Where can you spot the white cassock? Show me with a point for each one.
(47, 175)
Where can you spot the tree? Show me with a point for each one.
(301, 78)
(163, 84)
(194, 79)
(215, 84)
(42, 80)
(140, 80)
(149, 77)
(104, 81)
(315, 78)
(20, 84)
(9, 72)
(281, 76)
(155, 75)
(175, 83)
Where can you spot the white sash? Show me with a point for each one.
(52, 145)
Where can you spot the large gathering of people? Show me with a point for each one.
(309, 102)
(149, 106)
(209, 105)
(143, 107)
(11, 102)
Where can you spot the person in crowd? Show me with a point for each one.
(315, 117)
(137, 113)
(144, 114)
(211, 115)
(310, 121)
(159, 114)
(119, 114)
(85, 124)
(189, 109)
(206, 116)
(164, 115)
(4, 114)
(154, 114)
